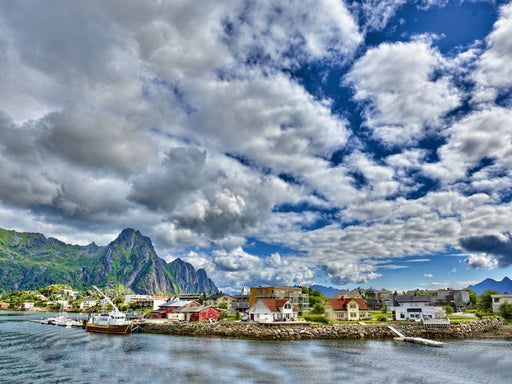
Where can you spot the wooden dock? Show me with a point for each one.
(415, 340)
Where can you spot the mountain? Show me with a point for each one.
(503, 286)
(30, 261)
(326, 291)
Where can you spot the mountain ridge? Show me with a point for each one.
(30, 260)
(503, 286)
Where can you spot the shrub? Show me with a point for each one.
(317, 319)
(382, 318)
(506, 311)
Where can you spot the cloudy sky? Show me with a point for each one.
(343, 143)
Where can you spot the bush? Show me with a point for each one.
(448, 309)
(506, 311)
(382, 318)
(317, 319)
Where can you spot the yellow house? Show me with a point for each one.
(346, 309)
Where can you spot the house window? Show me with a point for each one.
(496, 299)
(287, 306)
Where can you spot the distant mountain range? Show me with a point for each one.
(30, 261)
(503, 286)
(326, 291)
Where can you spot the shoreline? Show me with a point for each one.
(478, 329)
(307, 331)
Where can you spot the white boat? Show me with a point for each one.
(113, 322)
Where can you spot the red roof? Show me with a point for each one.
(275, 305)
(341, 304)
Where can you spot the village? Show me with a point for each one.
(267, 304)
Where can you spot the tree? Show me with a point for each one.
(485, 300)
(506, 311)
(448, 309)
(223, 305)
(472, 298)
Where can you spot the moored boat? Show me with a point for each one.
(114, 322)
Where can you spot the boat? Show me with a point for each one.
(64, 321)
(114, 322)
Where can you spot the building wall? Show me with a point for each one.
(497, 300)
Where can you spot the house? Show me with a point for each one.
(458, 299)
(4, 305)
(198, 313)
(146, 301)
(27, 306)
(297, 298)
(88, 302)
(268, 310)
(346, 308)
(217, 300)
(497, 300)
(355, 294)
(240, 302)
(169, 307)
(413, 308)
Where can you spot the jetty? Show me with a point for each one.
(415, 340)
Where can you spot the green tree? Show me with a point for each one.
(506, 311)
(223, 305)
(485, 300)
(448, 309)
(472, 298)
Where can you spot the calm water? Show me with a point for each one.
(36, 353)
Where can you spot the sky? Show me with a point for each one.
(340, 143)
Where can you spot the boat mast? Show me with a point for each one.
(108, 298)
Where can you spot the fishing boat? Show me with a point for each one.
(114, 322)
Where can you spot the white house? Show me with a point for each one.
(268, 310)
(497, 300)
(414, 308)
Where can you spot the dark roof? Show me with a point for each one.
(411, 299)
(215, 297)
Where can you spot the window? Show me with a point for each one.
(496, 299)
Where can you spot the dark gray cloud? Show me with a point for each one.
(498, 246)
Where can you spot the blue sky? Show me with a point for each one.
(362, 143)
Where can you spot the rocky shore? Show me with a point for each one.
(307, 331)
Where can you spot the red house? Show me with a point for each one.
(199, 313)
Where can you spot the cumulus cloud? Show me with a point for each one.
(208, 125)
(494, 72)
(398, 82)
(495, 250)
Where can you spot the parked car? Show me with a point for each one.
(245, 318)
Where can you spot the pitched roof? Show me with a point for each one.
(275, 305)
(215, 297)
(341, 304)
(177, 304)
(193, 309)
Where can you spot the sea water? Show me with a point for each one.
(37, 353)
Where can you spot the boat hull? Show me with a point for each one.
(113, 329)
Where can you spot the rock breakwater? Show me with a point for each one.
(307, 331)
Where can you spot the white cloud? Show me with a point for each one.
(481, 261)
(494, 71)
(397, 80)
